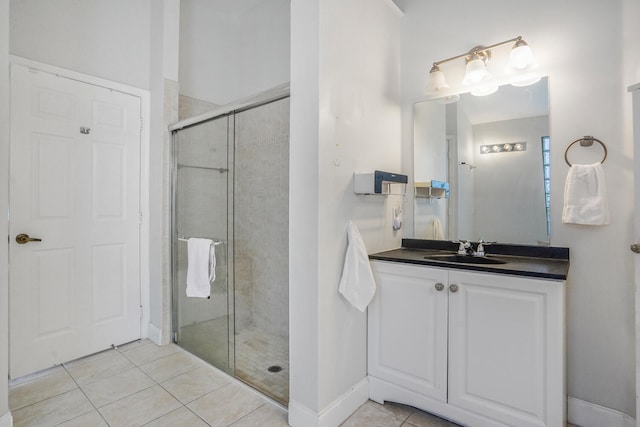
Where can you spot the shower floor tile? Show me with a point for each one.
(257, 351)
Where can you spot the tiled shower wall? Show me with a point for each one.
(262, 218)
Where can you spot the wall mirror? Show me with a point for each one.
(493, 151)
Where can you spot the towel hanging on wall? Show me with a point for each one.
(585, 196)
(201, 267)
(436, 229)
(357, 284)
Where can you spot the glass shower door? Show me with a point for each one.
(201, 209)
(261, 236)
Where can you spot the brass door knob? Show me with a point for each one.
(24, 238)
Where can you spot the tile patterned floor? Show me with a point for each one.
(372, 414)
(139, 384)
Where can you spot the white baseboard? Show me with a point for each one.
(6, 420)
(334, 414)
(585, 414)
(154, 334)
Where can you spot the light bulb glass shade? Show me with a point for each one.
(436, 80)
(484, 90)
(476, 71)
(521, 56)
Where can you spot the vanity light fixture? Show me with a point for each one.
(519, 68)
(503, 148)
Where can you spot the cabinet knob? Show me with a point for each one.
(439, 287)
(453, 288)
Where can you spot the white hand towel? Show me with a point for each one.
(357, 284)
(436, 229)
(585, 196)
(201, 267)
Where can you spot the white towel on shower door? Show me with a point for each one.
(357, 284)
(201, 267)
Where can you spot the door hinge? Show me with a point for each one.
(139, 217)
(141, 312)
(141, 124)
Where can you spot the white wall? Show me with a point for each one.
(232, 54)
(4, 201)
(207, 52)
(107, 39)
(263, 37)
(345, 117)
(304, 207)
(587, 97)
(360, 128)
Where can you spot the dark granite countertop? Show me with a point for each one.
(522, 260)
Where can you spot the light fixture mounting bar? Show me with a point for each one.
(478, 49)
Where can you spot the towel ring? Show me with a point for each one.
(586, 141)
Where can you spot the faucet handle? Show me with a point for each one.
(481, 245)
(462, 248)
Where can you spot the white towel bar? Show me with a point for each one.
(216, 242)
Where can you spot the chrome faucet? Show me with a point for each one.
(466, 248)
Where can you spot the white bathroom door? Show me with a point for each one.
(74, 184)
(635, 246)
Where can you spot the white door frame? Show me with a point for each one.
(144, 164)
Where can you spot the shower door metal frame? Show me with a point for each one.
(229, 110)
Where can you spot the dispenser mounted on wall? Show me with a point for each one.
(380, 183)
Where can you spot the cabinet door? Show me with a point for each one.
(408, 328)
(506, 348)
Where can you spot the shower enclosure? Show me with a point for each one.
(231, 185)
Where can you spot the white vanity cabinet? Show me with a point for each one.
(480, 349)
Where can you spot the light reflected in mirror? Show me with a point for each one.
(499, 193)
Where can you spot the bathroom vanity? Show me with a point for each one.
(479, 344)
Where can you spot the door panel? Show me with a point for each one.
(74, 183)
(52, 177)
(504, 337)
(108, 283)
(53, 320)
(408, 328)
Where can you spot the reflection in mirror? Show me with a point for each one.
(494, 153)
